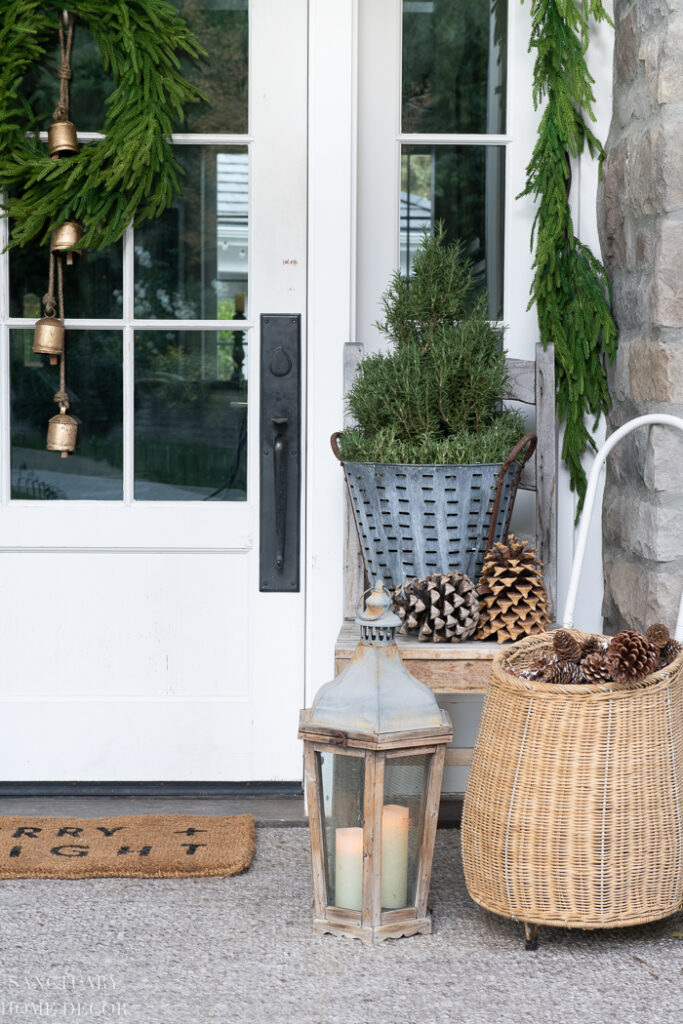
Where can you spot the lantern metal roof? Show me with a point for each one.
(375, 696)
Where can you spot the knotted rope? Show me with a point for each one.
(66, 20)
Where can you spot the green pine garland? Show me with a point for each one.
(132, 173)
(570, 287)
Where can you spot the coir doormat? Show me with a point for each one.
(140, 846)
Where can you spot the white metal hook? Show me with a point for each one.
(653, 418)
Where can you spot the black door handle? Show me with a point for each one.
(280, 444)
(280, 480)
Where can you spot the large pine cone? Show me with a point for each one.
(630, 657)
(566, 647)
(513, 599)
(443, 606)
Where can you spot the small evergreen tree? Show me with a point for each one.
(437, 396)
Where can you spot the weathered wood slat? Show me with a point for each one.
(429, 834)
(522, 382)
(460, 757)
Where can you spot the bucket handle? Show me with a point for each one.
(530, 440)
(663, 419)
(334, 444)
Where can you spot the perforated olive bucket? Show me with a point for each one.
(416, 520)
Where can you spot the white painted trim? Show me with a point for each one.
(331, 175)
(178, 138)
(453, 139)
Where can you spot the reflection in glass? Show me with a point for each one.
(454, 66)
(94, 383)
(222, 28)
(92, 286)
(191, 263)
(90, 86)
(191, 415)
(464, 186)
(405, 790)
(342, 778)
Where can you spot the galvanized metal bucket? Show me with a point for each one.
(416, 520)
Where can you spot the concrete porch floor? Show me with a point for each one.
(170, 951)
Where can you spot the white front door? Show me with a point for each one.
(136, 641)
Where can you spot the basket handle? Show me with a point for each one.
(582, 539)
(334, 443)
(530, 440)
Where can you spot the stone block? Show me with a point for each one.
(669, 77)
(664, 459)
(637, 595)
(656, 371)
(626, 47)
(666, 291)
(614, 234)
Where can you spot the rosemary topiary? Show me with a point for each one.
(437, 396)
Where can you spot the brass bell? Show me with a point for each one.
(62, 433)
(61, 139)
(48, 337)
(64, 237)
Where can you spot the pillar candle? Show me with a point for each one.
(395, 824)
(348, 881)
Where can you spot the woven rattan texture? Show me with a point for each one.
(416, 520)
(574, 806)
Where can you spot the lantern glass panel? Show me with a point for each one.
(341, 785)
(405, 792)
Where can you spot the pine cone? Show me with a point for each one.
(658, 635)
(566, 647)
(590, 646)
(443, 606)
(595, 669)
(669, 653)
(563, 673)
(630, 657)
(511, 592)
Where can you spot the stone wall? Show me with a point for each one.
(640, 212)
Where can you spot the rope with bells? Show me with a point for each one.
(48, 337)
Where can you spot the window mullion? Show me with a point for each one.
(128, 366)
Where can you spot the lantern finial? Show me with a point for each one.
(377, 622)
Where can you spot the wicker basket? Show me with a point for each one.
(574, 806)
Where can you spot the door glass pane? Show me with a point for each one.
(342, 779)
(222, 27)
(94, 383)
(454, 66)
(464, 186)
(191, 263)
(191, 415)
(92, 286)
(405, 788)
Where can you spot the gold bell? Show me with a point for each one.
(48, 337)
(66, 236)
(62, 433)
(61, 139)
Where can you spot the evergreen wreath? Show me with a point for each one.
(570, 288)
(129, 175)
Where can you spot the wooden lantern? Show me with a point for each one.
(374, 743)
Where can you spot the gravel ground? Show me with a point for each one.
(242, 949)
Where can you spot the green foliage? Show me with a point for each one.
(436, 397)
(131, 174)
(570, 287)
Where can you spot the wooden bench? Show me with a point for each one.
(453, 670)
